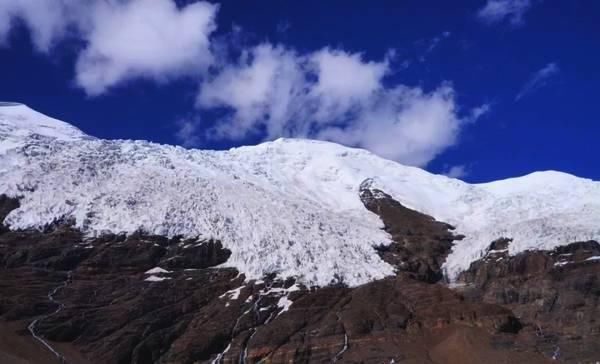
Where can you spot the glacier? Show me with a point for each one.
(289, 206)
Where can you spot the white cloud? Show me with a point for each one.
(259, 90)
(344, 82)
(405, 124)
(458, 171)
(270, 91)
(477, 112)
(496, 11)
(47, 21)
(152, 39)
(538, 79)
(332, 95)
(144, 39)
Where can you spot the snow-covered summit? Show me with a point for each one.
(289, 206)
(18, 120)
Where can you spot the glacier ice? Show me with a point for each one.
(289, 206)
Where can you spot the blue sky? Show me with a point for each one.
(483, 89)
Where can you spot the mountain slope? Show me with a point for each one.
(290, 206)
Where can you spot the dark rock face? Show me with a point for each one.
(6, 206)
(95, 302)
(111, 313)
(397, 319)
(116, 316)
(555, 294)
(421, 244)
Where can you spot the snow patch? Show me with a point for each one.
(233, 294)
(157, 270)
(155, 279)
(279, 290)
(284, 304)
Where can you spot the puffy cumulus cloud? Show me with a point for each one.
(47, 20)
(496, 11)
(272, 85)
(260, 91)
(144, 39)
(123, 40)
(269, 91)
(332, 95)
(344, 81)
(405, 124)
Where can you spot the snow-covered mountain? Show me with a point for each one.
(288, 206)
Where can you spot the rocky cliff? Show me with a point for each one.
(150, 299)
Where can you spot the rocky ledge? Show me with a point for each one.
(149, 299)
(554, 293)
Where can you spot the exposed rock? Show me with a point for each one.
(421, 243)
(92, 297)
(555, 294)
(398, 319)
(7, 204)
(150, 299)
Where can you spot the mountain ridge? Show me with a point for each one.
(289, 251)
(293, 201)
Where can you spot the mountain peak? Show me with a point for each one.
(19, 120)
(289, 206)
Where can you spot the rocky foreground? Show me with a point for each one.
(65, 298)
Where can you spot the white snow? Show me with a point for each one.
(155, 279)
(219, 357)
(279, 290)
(233, 294)
(18, 121)
(288, 206)
(284, 303)
(596, 257)
(157, 270)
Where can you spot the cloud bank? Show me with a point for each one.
(267, 92)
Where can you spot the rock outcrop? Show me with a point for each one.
(150, 299)
(421, 243)
(555, 294)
